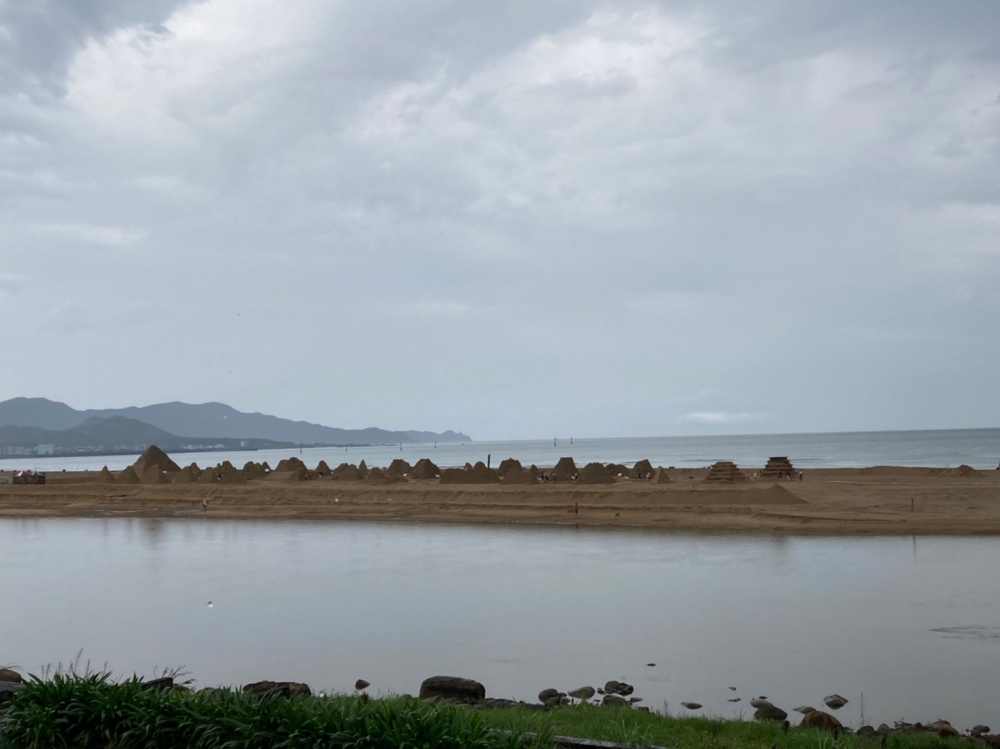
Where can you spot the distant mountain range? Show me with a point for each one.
(28, 422)
(116, 434)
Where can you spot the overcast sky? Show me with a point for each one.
(516, 219)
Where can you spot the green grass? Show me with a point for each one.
(636, 728)
(92, 712)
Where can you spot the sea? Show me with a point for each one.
(978, 448)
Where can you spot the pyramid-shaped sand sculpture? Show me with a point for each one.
(661, 476)
(595, 473)
(105, 477)
(641, 470)
(322, 469)
(777, 468)
(725, 470)
(230, 474)
(398, 468)
(128, 476)
(424, 469)
(154, 456)
(154, 475)
(564, 470)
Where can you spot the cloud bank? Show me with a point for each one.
(517, 221)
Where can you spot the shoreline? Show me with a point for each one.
(881, 501)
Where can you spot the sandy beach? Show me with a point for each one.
(884, 500)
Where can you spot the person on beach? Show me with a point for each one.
(800, 475)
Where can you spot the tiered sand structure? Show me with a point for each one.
(128, 476)
(154, 456)
(506, 465)
(661, 476)
(640, 469)
(564, 470)
(398, 468)
(778, 468)
(424, 469)
(478, 474)
(725, 470)
(595, 473)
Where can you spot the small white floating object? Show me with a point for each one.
(336, 500)
(210, 604)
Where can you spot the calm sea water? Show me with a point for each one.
(905, 628)
(979, 448)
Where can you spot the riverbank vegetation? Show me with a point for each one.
(92, 712)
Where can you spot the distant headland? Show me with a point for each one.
(38, 426)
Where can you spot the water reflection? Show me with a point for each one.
(519, 609)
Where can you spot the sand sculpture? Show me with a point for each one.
(595, 473)
(128, 476)
(290, 464)
(661, 476)
(424, 469)
(153, 475)
(725, 470)
(777, 467)
(398, 468)
(506, 465)
(154, 456)
(105, 477)
(640, 470)
(346, 472)
(564, 470)
(478, 474)
(515, 475)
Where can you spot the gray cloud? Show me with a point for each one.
(515, 220)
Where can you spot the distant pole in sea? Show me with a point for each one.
(488, 460)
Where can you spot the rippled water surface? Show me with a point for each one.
(912, 625)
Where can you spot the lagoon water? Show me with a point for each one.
(905, 628)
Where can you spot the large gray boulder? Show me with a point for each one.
(7, 674)
(613, 700)
(618, 687)
(770, 712)
(834, 701)
(453, 689)
(585, 693)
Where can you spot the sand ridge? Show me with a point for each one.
(833, 501)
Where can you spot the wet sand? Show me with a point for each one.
(903, 501)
